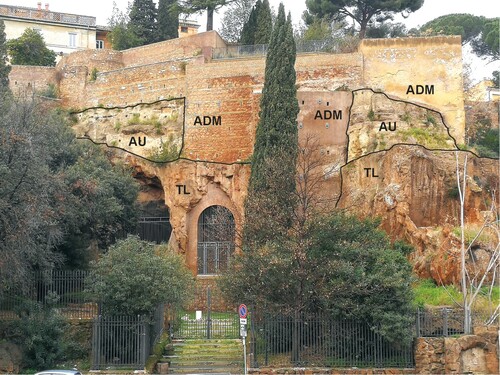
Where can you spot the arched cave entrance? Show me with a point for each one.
(153, 216)
(216, 236)
(154, 222)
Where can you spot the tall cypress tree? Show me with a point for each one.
(271, 200)
(250, 26)
(264, 23)
(142, 20)
(4, 68)
(168, 20)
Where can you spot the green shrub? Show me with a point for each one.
(167, 151)
(50, 92)
(470, 233)
(40, 333)
(487, 143)
(135, 276)
(406, 117)
(429, 119)
(453, 192)
(93, 74)
(371, 115)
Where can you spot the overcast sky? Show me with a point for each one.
(430, 10)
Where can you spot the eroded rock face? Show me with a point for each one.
(189, 188)
(466, 354)
(415, 195)
(153, 131)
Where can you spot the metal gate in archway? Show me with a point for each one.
(216, 236)
(204, 324)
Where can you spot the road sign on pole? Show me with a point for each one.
(243, 311)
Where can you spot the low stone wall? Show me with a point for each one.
(331, 371)
(476, 353)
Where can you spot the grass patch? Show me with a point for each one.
(471, 231)
(223, 325)
(153, 120)
(495, 293)
(135, 119)
(428, 293)
(426, 137)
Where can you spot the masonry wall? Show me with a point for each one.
(391, 65)
(476, 354)
(24, 78)
(180, 48)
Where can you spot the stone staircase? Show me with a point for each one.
(200, 356)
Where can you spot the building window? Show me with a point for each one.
(216, 234)
(72, 40)
(184, 29)
(99, 44)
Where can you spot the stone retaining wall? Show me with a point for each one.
(476, 353)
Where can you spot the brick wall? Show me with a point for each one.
(28, 78)
(179, 48)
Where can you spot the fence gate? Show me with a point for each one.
(204, 324)
(120, 341)
(125, 341)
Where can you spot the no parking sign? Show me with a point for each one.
(243, 311)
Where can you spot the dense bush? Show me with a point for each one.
(134, 276)
(40, 333)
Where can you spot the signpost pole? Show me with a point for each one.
(243, 311)
(244, 355)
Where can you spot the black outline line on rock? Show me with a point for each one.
(142, 157)
(396, 144)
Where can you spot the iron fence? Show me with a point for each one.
(211, 325)
(439, 322)
(125, 341)
(309, 46)
(120, 341)
(61, 289)
(154, 229)
(319, 341)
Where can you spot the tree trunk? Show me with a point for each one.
(210, 19)
(362, 30)
(462, 186)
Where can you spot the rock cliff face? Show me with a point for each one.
(415, 195)
(384, 150)
(189, 188)
(152, 131)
